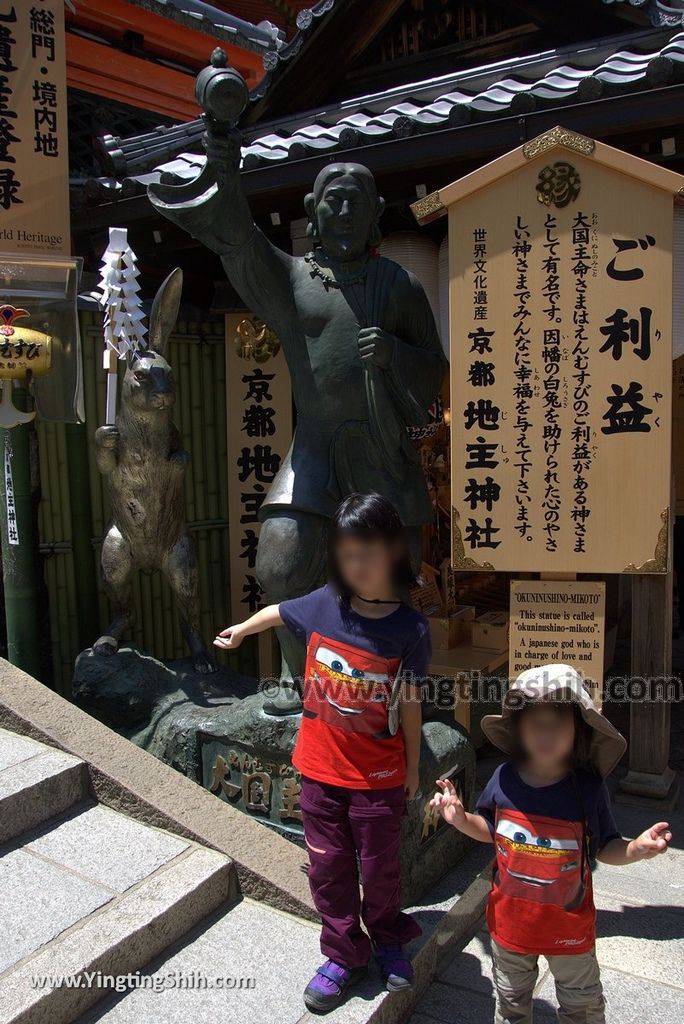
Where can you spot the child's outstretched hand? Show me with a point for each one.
(449, 803)
(229, 638)
(651, 842)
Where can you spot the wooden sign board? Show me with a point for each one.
(559, 622)
(560, 265)
(34, 159)
(259, 423)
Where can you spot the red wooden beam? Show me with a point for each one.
(164, 37)
(108, 72)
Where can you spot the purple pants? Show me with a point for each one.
(339, 824)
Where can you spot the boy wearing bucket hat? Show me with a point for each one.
(547, 812)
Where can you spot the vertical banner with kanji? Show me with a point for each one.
(259, 423)
(560, 266)
(34, 164)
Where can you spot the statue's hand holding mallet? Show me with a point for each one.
(376, 346)
(223, 151)
(221, 92)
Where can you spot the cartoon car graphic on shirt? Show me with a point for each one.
(347, 687)
(539, 859)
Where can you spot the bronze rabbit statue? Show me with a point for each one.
(142, 456)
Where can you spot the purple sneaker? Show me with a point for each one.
(395, 967)
(328, 987)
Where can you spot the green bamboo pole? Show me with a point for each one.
(46, 535)
(186, 429)
(18, 559)
(81, 531)
(74, 648)
(51, 583)
(218, 588)
(150, 612)
(158, 646)
(94, 396)
(136, 633)
(209, 431)
(168, 614)
(59, 533)
(196, 405)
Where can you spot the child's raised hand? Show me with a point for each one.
(229, 638)
(449, 803)
(652, 842)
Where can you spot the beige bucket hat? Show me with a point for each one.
(557, 683)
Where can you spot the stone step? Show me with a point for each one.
(33, 788)
(251, 965)
(116, 938)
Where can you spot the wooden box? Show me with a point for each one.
(451, 630)
(491, 631)
(425, 596)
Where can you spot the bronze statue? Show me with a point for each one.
(143, 459)
(363, 352)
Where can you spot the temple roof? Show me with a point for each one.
(555, 78)
(514, 86)
(670, 13)
(262, 38)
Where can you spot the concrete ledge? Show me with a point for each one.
(124, 777)
(449, 915)
(452, 933)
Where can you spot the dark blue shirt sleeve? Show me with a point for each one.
(605, 827)
(299, 613)
(486, 803)
(416, 660)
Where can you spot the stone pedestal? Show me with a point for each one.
(214, 730)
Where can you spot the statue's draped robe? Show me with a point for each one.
(351, 417)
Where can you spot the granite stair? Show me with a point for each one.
(88, 893)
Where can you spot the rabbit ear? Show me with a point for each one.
(165, 311)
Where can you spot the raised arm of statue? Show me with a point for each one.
(213, 208)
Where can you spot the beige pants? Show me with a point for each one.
(578, 987)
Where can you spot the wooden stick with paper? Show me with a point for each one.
(123, 327)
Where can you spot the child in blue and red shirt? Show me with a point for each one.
(547, 812)
(358, 744)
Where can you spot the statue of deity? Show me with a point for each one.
(363, 353)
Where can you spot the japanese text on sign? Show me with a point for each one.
(559, 622)
(259, 435)
(560, 354)
(34, 192)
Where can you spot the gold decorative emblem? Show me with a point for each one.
(558, 137)
(558, 183)
(254, 340)
(427, 207)
(659, 562)
(459, 557)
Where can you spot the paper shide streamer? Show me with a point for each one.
(124, 331)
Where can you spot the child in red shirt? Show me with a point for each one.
(547, 811)
(359, 740)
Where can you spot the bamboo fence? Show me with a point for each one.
(198, 358)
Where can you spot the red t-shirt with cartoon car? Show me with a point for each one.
(541, 898)
(352, 661)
